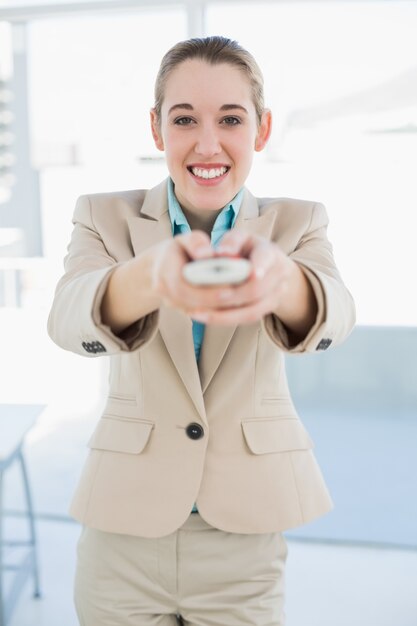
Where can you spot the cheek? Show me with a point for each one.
(174, 146)
(245, 157)
(244, 146)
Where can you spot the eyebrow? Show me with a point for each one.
(224, 107)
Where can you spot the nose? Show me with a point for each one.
(208, 143)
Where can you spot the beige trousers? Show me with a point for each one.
(197, 576)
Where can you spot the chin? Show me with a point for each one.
(207, 203)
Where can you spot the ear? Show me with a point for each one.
(264, 131)
(156, 131)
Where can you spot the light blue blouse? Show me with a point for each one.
(225, 221)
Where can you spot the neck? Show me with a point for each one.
(201, 221)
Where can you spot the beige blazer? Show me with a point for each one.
(250, 466)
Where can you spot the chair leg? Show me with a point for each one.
(2, 607)
(37, 592)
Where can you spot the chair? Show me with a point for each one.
(15, 422)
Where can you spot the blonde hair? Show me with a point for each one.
(214, 50)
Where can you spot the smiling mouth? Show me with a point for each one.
(206, 174)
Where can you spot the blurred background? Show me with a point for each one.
(76, 86)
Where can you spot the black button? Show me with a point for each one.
(97, 347)
(93, 347)
(194, 431)
(324, 344)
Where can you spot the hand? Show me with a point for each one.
(277, 285)
(169, 259)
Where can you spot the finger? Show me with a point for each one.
(262, 281)
(234, 316)
(189, 298)
(264, 258)
(236, 242)
(168, 272)
(196, 244)
(266, 291)
(228, 296)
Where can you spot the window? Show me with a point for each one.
(341, 79)
(91, 88)
(89, 91)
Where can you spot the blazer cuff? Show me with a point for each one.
(131, 338)
(75, 323)
(277, 332)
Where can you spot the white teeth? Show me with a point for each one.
(204, 173)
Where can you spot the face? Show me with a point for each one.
(209, 132)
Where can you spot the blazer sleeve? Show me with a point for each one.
(336, 309)
(74, 321)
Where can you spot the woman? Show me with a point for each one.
(199, 460)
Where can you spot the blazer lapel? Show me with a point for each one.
(217, 338)
(153, 224)
(151, 227)
(176, 331)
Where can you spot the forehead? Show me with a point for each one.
(198, 82)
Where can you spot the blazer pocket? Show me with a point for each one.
(276, 406)
(264, 436)
(277, 401)
(121, 435)
(122, 398)
(122, 405)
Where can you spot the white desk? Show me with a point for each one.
(15, 422)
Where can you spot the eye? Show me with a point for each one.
(231, 120)
(183, 121)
